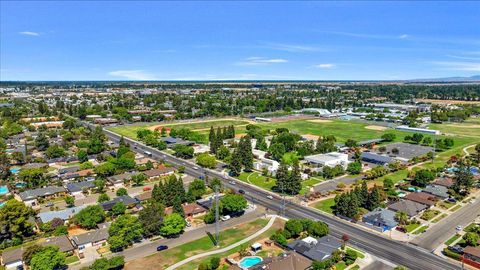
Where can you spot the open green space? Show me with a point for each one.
(325, 205)
(307, 184)
(412, 226)
(257, 179)
(452, 239)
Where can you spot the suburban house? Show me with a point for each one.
(77, 174)
(316, 249)
(201, 148)
(382, 218)
(91, 239)
(117, 181)
(64, 214)
(128, 201)
(62, 242)
(159, 172)
(285, 261)
(445, 181)
(30, 197)
(77, 188)
(376, 158)
(422, 197)
(66, 170)
(438, 191)
(471, 256)
(191, 210)
(12, 259)
(105, 121)
(331, 159)
(411, 208)
(35, 166)
(265, 163)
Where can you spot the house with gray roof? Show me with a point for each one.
(62, 242)
(126, 200)
(93, 238)
(316, 249)
(382, 218)
(437, 191)
(71, 169)
(77, 188)
(12, 259)
(64, 214)
(30, 197)
(411, 208)
(118, 180)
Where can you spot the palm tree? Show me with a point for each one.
(401, 217)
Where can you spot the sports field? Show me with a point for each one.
(200, 126)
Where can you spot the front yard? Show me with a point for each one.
(325, 205)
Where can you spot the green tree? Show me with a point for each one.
(354, 167)
(41, 142)
(70, 201)
(121, 192)
(471, 239)
(233, 203)
(196, 189)
(29, 252)
(139, 179)
(49, 258)
(119, 209)
(222, 152)
(401, 217)
(124, 231)
(463, 177)
(389, 137)
(14, 219)
(388, 183)
(55, 151)
(277, 150)
(173, 224)
(206, 160)
(103, 198)
(423, 177)
(90, 216)
(183, 151)
(151, 219)
(33, 177)
(294, 227)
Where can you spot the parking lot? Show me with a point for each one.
(408, 151)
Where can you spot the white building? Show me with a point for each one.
(265, 163)
(419, 130)
(331, 159)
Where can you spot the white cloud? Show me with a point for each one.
(292, 47)
(369, 36)
(325, 66)
(29, 33)
(460, 66)
(139, 75)
(404, 36)
(262, 61)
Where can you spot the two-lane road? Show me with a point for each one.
(400, 253)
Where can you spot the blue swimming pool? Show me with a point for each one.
(14, 170)
(20, 185)
(248, 262)
(474, 170)
(3, 190)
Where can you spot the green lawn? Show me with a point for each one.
(429, 214)
(455, 208)
(470, 227)
(445, 204)
(452, 239)
(421, 229)
(437, 219)
(131, 130)
(257, 179)
(411, 227)
(309, 183)
(325, 205)
(71, 259)
(340, 265)
(360, 254)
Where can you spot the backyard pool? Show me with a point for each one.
(3, 190)
(248, 262)
(20, 185)
(14, 170)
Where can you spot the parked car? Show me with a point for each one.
(225, 218)
(147, 188)
(452, 200)
(231, 182)
(241, 191)
(270, 197)
(162, 247)
(459, 228)
(401, 229)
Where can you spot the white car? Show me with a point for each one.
(459, 228)
(270, 197)
(225, 218)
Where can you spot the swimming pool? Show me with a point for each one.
(14, 170)
(3, 190)
(248, 262)
(20, 185)
(474, 170)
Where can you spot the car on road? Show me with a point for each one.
(270, 197)
(225, 218)
(195, 168)
(162, 247)
(241, 191)
(50, 204)
(231, 182)
(459, 228)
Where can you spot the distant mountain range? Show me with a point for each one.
(474, 78)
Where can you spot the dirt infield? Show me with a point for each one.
(168, 126)
(379, 128)
(447, 101)
(320, 121)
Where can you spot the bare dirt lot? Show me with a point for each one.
(379, 128)
(320, 121)
(445, 101)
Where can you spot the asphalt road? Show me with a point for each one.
(446, 227)
(400, 253)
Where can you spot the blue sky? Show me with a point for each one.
(238, 40)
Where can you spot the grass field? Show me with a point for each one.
(421, 229)
(261, 181)
(325, 205)
(452, 239)
(411, 227)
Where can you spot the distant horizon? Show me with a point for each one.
(245, 41)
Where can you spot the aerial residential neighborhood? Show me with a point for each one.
(245, 135)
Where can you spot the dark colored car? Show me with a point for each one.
(241, 191)
(162, 247)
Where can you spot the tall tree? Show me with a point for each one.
(151, 218)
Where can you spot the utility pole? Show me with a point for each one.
(217, 224)
(283, 201)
